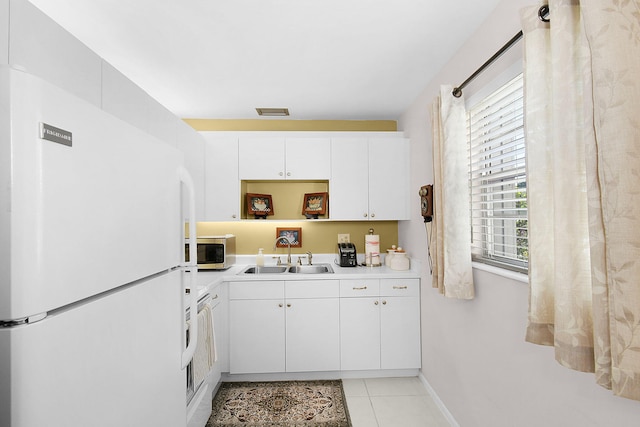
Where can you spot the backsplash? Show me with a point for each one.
(317, 236)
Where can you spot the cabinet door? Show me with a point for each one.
(256, 336)
(400, 333)
(222, 186)
(359, 333)
(313, 335)
(389, 179)
(348, 188)
(262, 158)
(308, 158)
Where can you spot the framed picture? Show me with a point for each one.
(259, 204)
(293, 234)
(315, 203)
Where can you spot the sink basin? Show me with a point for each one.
(311, 269)
(269, 269)
(278, 269)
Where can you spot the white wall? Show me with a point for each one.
(474, 353)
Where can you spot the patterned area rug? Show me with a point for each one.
(280, 403)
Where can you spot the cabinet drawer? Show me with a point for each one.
(259, 289)
(400, 287)
(312, 289)
(216, 297)
(360, 288)
(218, 293)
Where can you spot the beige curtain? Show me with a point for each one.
(582, 103)
(451, 230)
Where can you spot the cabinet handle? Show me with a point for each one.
(215, 297)
(280, 305)
(280, 173)
(364, 214)
(400, 287)
(359, 289)
(288, 173)
(288, 305)
(373, 215)
(233, 216)
(384, 302)
(377, 302)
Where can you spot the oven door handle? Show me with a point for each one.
(192, 266)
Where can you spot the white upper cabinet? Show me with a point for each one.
(369, 179)
(222, 187)
(389, 179)
(308, 158)
(276, 158)
(349, 184)
(261, 158)
(368, 174)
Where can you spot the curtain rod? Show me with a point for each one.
(543, 14)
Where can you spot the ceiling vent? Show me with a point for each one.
(273, 112)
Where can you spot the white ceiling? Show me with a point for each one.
(322, 59)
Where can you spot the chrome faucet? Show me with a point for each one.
(310, 256)
(286, 239)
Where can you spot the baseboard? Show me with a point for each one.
(437, 401)
(327, 375)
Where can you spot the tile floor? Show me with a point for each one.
(391, 402)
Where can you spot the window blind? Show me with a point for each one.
(497, 175)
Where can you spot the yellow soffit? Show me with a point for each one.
(292, 125)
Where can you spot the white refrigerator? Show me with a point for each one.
(92, 305)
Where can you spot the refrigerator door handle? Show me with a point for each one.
(192, 266)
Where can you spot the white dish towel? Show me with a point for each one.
(205, 355)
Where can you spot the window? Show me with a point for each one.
(497, 175)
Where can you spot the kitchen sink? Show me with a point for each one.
(311, 269)
(270, 269)
(299, 269)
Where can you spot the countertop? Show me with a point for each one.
(210, 279)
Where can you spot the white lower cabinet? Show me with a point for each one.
(257, 341)
(399, 333)
(360, 333)
(324, 325)
(380, 324)
(313, 327)
(296, 332)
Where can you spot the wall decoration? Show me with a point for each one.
(259, 205)
(315, 204)
(293, 234)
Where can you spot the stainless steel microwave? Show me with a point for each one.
(214, 252)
